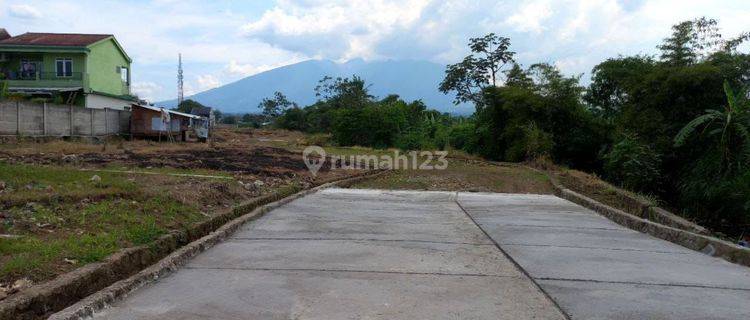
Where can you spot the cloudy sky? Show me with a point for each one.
(223, 41)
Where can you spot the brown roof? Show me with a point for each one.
(54, 39)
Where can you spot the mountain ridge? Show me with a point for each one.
(410, 79)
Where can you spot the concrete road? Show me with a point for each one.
(363, 254)
(348, 254)
(596, 269)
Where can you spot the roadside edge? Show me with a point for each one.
(82, 291)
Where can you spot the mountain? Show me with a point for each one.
(409, 79)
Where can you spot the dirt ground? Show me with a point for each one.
(64, 204)
(244, 153)
(465, 175)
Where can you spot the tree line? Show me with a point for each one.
(673, 125)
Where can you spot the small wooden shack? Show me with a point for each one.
(161, 123)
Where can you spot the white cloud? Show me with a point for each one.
(24, 11)
(206, 82)
(530, 17)
(243, 70)
(146, 90)
(335, 30)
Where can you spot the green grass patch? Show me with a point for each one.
(63, 220)
(166, 170)
(25, 183)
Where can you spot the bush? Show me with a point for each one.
(292, 119)
(461, 136)
(3, 90)
(317, 139)
(537, 142)
(718, 200)
(413, 140)
(634, 165)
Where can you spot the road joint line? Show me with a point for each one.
(356, 271)
(677, 285)
(514, 262)
(354, 239)
(594, 248)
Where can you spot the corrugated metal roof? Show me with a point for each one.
(54, 39)
(160, 109)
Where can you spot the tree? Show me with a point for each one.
(517, 77)
(614, 82)
(729, 128)
(247, 118)
(217, 115)
(716, 186)
(693, 41)
(468, 77)
(274, 107)
(229, 119)
(188, 105)
(344, 92)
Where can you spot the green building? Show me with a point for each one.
(90, 70)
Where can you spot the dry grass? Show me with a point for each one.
(598, 189)
(463, 175)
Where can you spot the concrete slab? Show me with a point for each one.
(629, 266)
(622, 301)
(457, 231)
(481, 200)
(625, 239)
(317, 218)
(378, 256)
(367, 211)
(374, 254)
(232, 294)
(348, 254)
(559, 220)
(596, 269)
(388, 196)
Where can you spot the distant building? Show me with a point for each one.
(90, 70)
(150, 121)
(205, 112)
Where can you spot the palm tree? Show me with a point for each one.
(730, 125)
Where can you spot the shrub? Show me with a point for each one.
(317, 139)
(461, 136)
(413, 140)
(537, 142)
(718, 200)
(3, 90)
(292, 119)
(634, 165)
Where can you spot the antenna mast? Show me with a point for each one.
(180, 93)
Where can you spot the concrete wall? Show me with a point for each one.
(97, 101)
(56, 120)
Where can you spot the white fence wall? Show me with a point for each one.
(28, 119)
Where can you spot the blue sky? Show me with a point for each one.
(223, 41)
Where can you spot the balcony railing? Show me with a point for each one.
(37, 76)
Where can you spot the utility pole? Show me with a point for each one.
(180, 93)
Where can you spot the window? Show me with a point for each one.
(64, 67)
(124, 74)
(29, 69)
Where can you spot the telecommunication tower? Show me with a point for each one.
(180, 93)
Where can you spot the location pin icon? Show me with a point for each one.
(314, 163)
